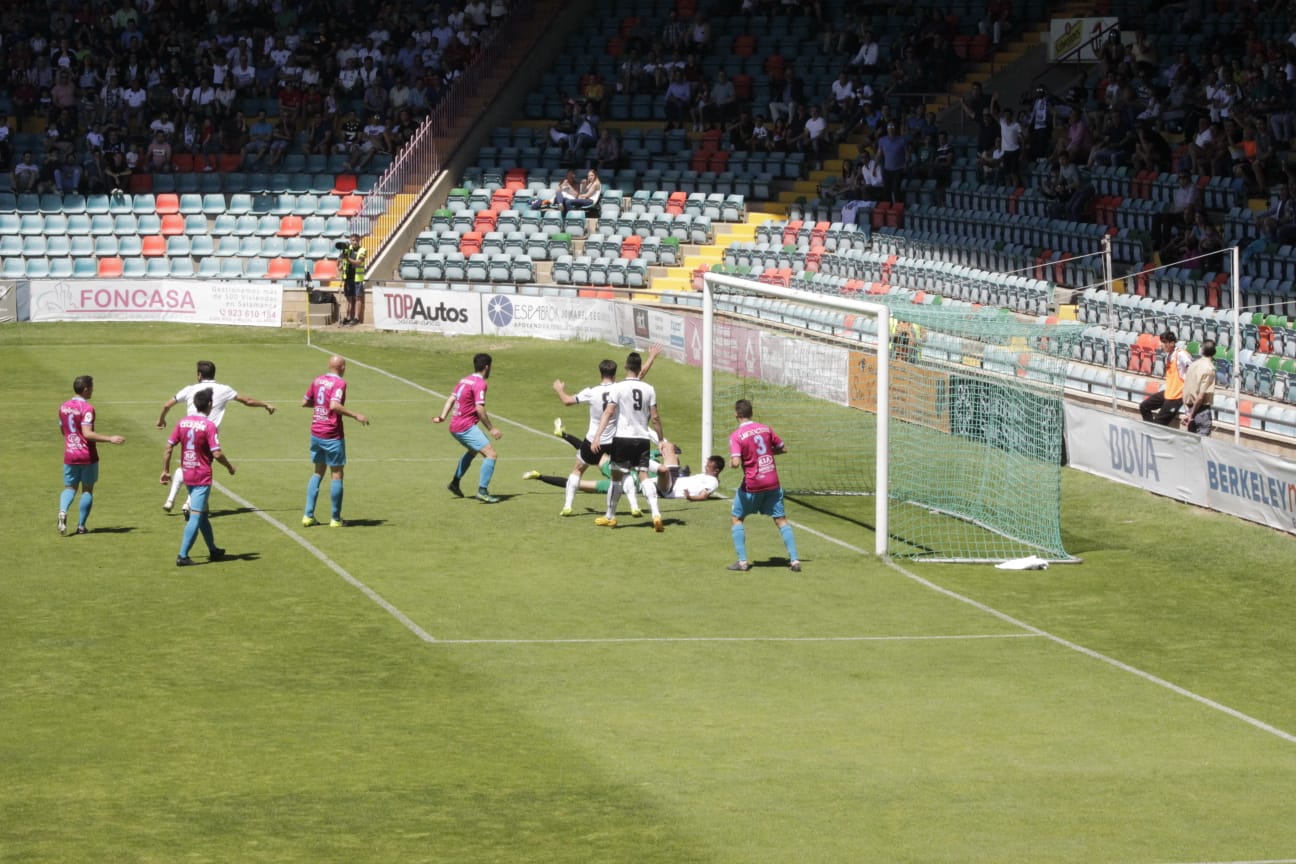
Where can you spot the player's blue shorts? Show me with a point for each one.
(86, 475)
(767, 503)
(474, 439)
(198, 498)
(328, 451)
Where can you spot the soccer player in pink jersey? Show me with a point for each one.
(326, 396)
(468, 401)
(80, 455)
(752, 447)
(199, 447)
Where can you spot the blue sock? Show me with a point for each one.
(190, 534)
(739, 534)
(65, 500)
(464, 461)
(789, 542)
(487, 471)
(209, 537)
(312, 492)
(335, 497)
(87, 501)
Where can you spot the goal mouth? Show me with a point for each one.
(947, 443)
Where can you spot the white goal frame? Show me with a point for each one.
(825, 301)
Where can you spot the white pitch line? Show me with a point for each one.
(613, 640)
(1066, 643)
(1088, 652)
(1265, 861)
(328, 562)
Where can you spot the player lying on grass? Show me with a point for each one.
(671, 480)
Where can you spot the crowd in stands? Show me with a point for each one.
(119, 87)
(665, 59)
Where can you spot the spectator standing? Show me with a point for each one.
(1199, 392)
(894, 148)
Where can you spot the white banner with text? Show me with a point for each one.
(436, 310)
(1208, 472)
(206, 301)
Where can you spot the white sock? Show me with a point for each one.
(628, 487)
(650, 492)
(573, 483)
(177, 480)
(614, 495)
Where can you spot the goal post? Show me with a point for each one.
(945, 418)
(880, 407)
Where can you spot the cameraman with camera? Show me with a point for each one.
(351, 261)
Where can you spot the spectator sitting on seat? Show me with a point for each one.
(607, 152)
(786, 95)
(866, 59)
(260, 132)
(158, 159)
(67, 176)
(285, 132)
(841, 98)
(739, 132)
(587, 196)
(724, 100)
(46, 183)
(990, 163)
(93, 180)
(1114, 145)
(587, 133)
(26, 173)
(813, 140)
(374, 140)
(1076, 141)
(679, 99)
(567, 191)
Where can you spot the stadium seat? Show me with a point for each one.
(110, 268)
(154, 245)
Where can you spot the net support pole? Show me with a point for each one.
(1237, 345)
(1108, 272)
(883, 315)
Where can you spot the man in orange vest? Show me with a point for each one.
(1163, 406)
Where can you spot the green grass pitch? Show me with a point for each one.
(447, 681)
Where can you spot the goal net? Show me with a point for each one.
(947, 443)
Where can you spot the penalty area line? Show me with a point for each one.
(1072, 646)
(613, 640)
(337, 568)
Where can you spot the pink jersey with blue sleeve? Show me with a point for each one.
(74, 415)
(468, 394)
(198, 440)
(755, 443)
(324, 391)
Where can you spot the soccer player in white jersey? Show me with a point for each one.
(597, 398)
(222, 395)
(633, 408)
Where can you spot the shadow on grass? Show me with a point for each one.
(116, 529)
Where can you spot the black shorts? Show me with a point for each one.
(588, 456)
(351, 288)
(631, 454)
